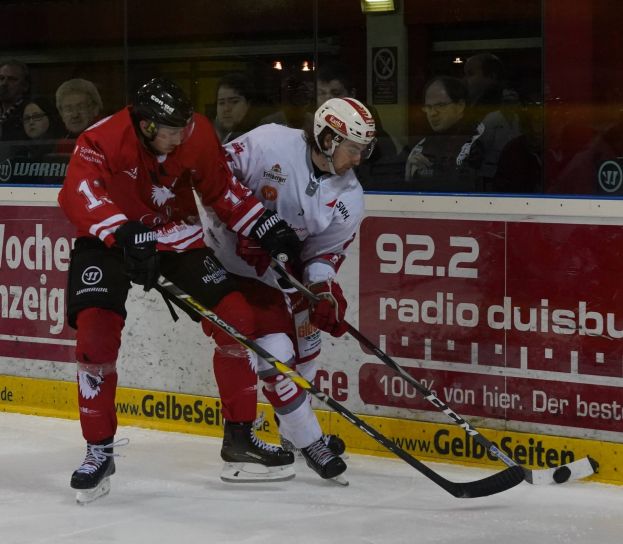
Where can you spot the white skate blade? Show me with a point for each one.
(255, 472)
(85, 496)
(339, 480)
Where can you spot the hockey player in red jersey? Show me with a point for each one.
(307, 178)
(129, 192)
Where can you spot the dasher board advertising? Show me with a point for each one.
(506, 320)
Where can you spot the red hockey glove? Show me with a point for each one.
(328, 313)
(250, 250)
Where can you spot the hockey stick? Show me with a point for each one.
(571, 471)
(496, 483)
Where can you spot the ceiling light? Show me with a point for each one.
(378, 6)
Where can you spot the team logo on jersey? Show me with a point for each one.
(89, 384)
(237, 147)
(269, 193)
(160, 195)
(132, 172)
(275, 174)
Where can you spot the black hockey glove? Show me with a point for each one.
(139, 253)
(276, 237)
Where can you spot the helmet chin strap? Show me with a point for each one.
(328, 154)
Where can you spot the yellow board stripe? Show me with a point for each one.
(196, 414)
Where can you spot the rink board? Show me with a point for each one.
(202, 415)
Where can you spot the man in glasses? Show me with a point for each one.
(129, 192)
(307, 177)
(435, 162)
(79, 104)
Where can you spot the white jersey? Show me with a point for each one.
(275, 163)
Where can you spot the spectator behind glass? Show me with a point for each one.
(42, 127)
(333, 81)
(496, 107)
(234, 104)
(80, 105)
(14, 89)
(296, 104)
(436, 161)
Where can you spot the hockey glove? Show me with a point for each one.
(328, 313)
(276, 237)
(139, 253)
(251, 252)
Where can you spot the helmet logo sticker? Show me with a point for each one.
(166, 107)
(336, 123)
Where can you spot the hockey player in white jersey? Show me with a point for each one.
(307, 178)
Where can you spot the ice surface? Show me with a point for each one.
(167, 490)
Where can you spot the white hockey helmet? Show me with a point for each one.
(348, 119)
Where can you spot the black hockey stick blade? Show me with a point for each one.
(490, 485)
(574, 470)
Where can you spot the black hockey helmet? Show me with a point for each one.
(163, 102)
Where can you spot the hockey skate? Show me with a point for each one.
(332, 441)
(250, 459)
(323, 461)
(92, 478)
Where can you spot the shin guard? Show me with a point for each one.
(97, 346)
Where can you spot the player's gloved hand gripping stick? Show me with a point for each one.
(571, 471)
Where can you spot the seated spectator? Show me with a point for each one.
(333, 81)
(520, 166)
(435, 163)
(496, 108)
(42, 127)
(14, 89)
(234, 104)
(296, 100)
(80, 105)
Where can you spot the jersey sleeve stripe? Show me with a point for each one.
(245, 224)
(108, 226)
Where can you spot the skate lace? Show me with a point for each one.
(319, 452)
(96, 455)
(257, 441)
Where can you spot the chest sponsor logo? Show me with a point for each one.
(275, 174)
(269, 193)
(343, 211)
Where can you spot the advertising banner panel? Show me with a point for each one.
(35, 245)
(509, 320)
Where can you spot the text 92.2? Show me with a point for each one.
(417, 252)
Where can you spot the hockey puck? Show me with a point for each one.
(561, 475)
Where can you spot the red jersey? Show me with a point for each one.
(113, 178)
